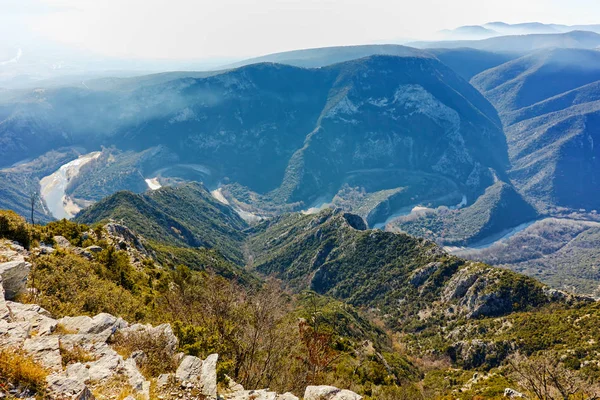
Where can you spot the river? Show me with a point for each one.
(53, 187)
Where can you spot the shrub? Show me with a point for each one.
(19, 369)
(156, 360)
(74, 355)
(14, 227)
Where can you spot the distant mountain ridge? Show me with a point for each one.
(493, 29)
(520, 44)
(321, 57)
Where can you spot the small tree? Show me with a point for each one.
(546, 378)
(34, 197)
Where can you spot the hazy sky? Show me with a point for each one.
(195, 29)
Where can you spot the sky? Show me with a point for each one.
(202, 29)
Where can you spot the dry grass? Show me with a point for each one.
(157, 358)
(74, 355)
(116, 388)
(62, 330)
(19, 369)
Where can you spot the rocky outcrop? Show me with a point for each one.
(124, 239)
(13, 270)
(479, 353)
(14, 278)
(420, 275)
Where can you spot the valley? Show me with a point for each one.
(415, 221)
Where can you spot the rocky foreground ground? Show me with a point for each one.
(81, 361)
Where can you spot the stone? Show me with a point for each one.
(136, 379)
(62, 242)
(93, 249)
(13, 334)
(98, 324)
(233, 386)
(94, 343)
(513, 394)
(419, 276)
(329, 393)
(287, 396)
(189, 369)
(14, 278)
(164, 380)
(18, 308)
(78, 371)
(36, 316)
(4, 311)
(106, 366)
(45, 349)
(208, 376)
(62, 387)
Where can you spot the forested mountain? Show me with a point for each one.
(548, 102)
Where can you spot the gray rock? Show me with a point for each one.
(106, 366)
(233, 386)
(164, 380)
(513, 394)
(14, 278)
(93, 249)
(79, 372)
(62, 242)
(208, 376)
(189, 369)
(263, 394)
(61, 387)
(13, 334)
(4, 311)
(163, 330)
(329, 393)
(420, 275)
(287, 396)
(36, 316)
(135, 378)
(45, 349)
(18, 308)
(100, 323)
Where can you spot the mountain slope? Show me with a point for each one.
(561, 253)
(286, 136)
(468, 62)
(500, 208)
(184, 216)
(332, 253)
(549, 104)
